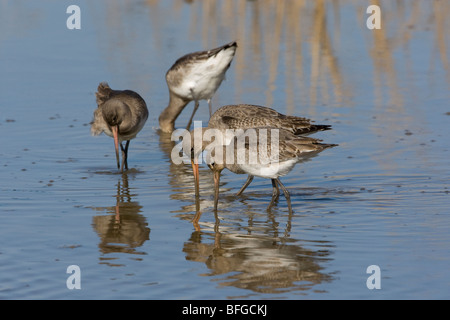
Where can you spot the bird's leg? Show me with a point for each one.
(124, 156)
(210, 107)
(196, 178)
(275, 193)
(192, 116)
(249, 180)
(286, 194)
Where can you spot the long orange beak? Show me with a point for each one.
(115, 131)
(196, 178)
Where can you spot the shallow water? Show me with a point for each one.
(380, 198)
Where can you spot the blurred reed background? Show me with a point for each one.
(300, 44)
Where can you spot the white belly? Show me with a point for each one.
(270, 171)
(204, 77)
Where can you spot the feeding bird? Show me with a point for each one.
(268, 153)
(120, 114)
(194, 77)
(230, 118)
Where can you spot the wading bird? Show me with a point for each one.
(272, 154)
(230, 118)
(194, 77)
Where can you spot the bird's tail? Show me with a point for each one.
(311, 129)
(329, 145)
(303, 126)
(215, 51)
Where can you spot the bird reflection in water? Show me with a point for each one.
(124, 229)
(263, 260)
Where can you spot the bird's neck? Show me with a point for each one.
(171, 113)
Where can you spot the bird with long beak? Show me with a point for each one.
(272, 153)
(120, 114)
(230, 118)
(193, 145)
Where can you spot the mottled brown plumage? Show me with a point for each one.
(232, 120)
(244, 116)
(264, 152)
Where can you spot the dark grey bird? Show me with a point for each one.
(120, 114)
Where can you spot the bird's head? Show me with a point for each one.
(116, 112)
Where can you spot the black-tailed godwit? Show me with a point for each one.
(121, 114)
(194, 77)
(230, 118)
(272, 154)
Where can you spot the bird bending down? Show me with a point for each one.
(228, 119)
(268, 153)
(194, 77)
(121, 114)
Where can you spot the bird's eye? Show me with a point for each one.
(115, 121)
